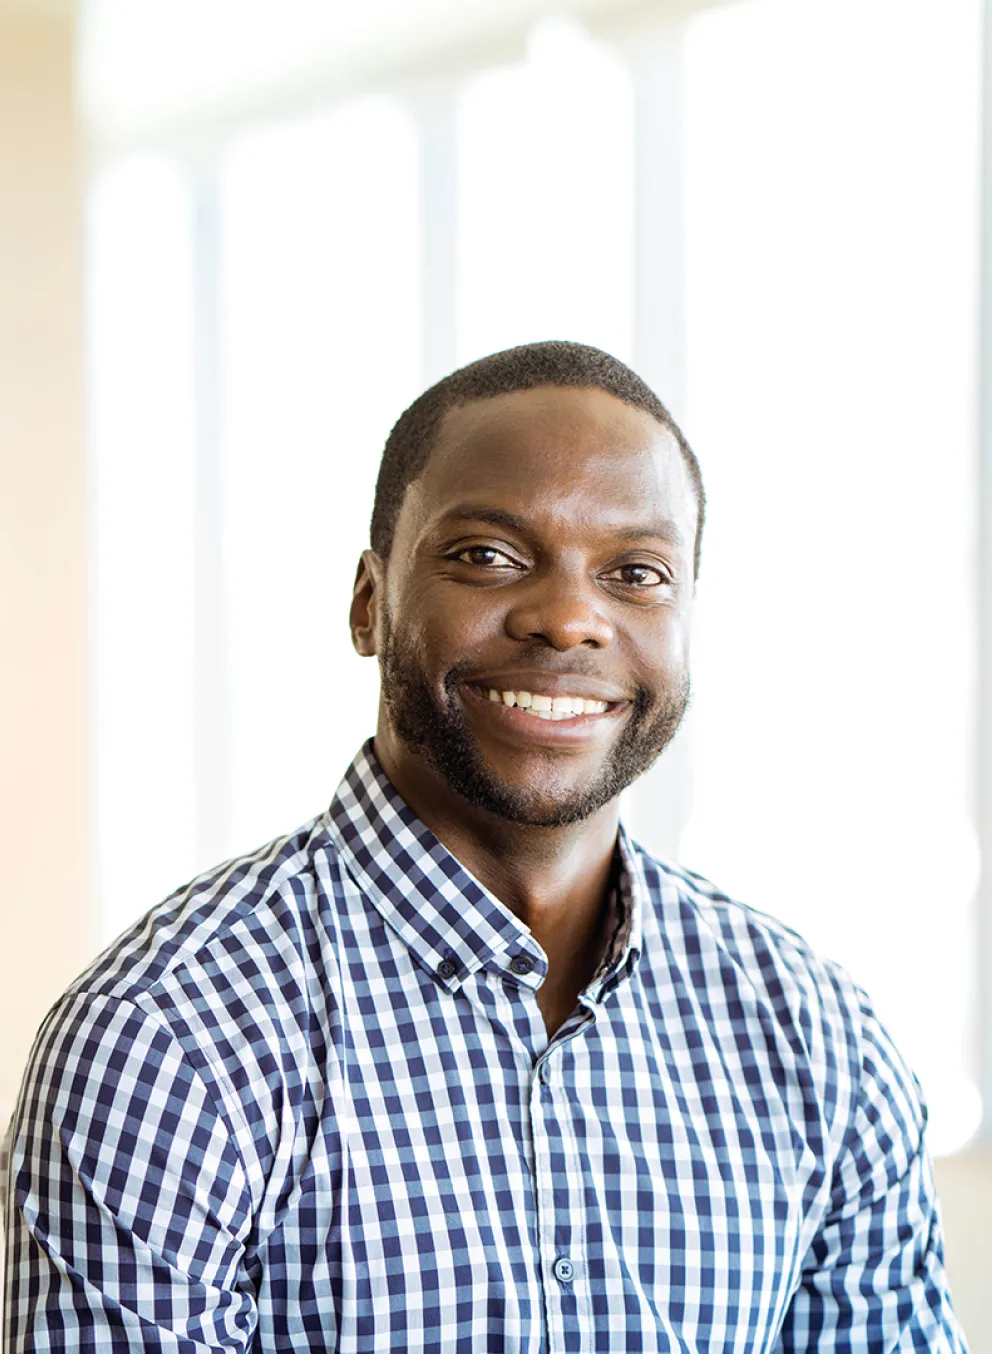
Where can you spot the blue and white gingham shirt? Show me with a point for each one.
(309, 1103)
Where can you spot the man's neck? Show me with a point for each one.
(555, 879)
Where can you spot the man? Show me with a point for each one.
(458, 1067)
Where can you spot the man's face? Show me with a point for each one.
(543, 556)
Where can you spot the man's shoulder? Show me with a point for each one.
(249, 910)
(209, 997)
(723, 941)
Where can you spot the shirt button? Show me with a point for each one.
(522, 965)
(545, 1073)
(564, 1270)
(447, 968)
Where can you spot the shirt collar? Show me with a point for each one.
(451, 923)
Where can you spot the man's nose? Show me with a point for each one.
(562, 608)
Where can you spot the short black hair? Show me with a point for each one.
(555, 363)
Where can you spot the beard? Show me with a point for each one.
(440, 733)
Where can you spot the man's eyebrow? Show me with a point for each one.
(661, 528)
(482, 512)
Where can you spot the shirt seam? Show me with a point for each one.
(216, 1102)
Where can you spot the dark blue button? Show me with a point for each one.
(564, 1270)
(523, 964)
(447, 968)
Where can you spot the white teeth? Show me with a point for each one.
(548, 707)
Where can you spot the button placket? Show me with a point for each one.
(566, 1301)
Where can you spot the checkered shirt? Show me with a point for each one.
(309, 1103)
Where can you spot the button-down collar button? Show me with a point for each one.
(447, 968)
(564, 1270)
(522, 965)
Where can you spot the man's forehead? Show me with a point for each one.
(570, 452)
(550, 433)
(585, 414)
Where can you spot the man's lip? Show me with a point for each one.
(524, 728)
(548, 684)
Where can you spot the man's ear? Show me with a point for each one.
(365, 604)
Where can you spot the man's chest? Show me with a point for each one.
(615, 1191)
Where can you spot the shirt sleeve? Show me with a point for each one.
(874, 1278)
(127, 1204)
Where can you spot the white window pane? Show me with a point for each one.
(832, 275)
(141, 454)
(545, 198)
(146, 56)
(322, 353)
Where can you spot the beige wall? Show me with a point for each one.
(965, 1186)
(44, 755)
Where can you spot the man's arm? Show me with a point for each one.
(127, 1204)
(873, 1281)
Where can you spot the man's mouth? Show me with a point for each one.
(540, 706)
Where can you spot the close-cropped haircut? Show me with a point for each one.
(554, 363)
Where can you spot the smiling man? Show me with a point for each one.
(458, 1067)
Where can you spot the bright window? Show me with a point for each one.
(832, 276)
(545, 223)
(821, 329)
(319, 230)
(141, 431)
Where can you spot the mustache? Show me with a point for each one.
(536, 658)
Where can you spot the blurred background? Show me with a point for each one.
(237, 237)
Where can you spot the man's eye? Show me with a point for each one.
(638, 575)
(487, 556)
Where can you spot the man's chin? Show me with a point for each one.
(540, 801)
(533, 786)
(540, 788)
